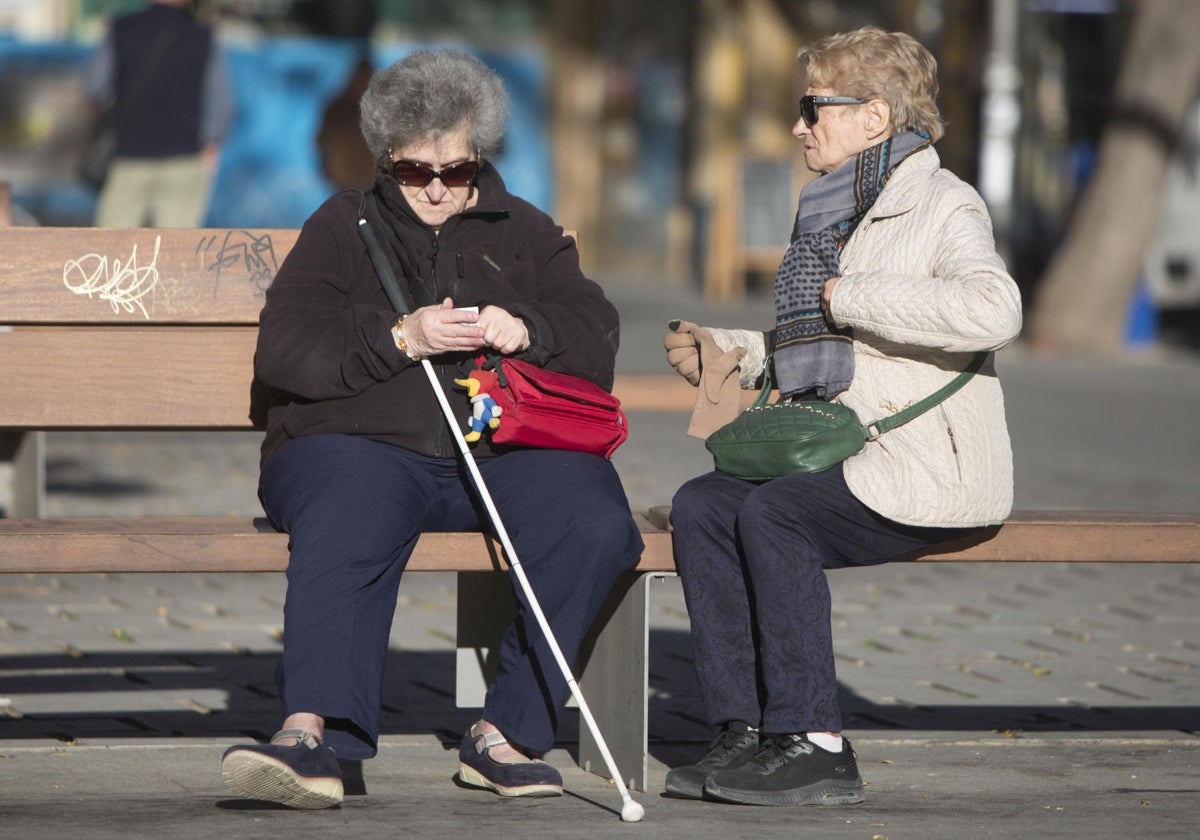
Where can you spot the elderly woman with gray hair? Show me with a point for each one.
(357, 460)
(891, 286)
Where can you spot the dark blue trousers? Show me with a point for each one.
(354, 508)
(752, 558)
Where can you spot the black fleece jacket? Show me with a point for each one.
(325, 351)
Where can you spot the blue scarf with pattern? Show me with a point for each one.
(813, 359)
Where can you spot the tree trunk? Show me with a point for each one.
(577, 97)
(718, 75)
(1084, 295)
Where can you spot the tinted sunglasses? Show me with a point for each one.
(419, 175)
(810, 104)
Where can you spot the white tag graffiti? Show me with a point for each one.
(123, 285)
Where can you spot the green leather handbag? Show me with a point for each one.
(769, 440)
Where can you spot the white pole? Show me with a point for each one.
(1001, 121)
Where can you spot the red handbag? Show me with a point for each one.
(525, 405)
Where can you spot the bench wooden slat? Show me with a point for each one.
(227, 544)
(150, 378)
(662, 392)
(1069, 537)
(137, 276)
(193, 377)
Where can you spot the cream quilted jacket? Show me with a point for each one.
(924, 289)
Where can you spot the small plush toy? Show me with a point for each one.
(485, 414)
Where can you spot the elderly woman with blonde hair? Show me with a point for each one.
(890, 286)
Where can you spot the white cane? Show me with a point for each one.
(631, 811)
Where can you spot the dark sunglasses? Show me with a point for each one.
(810, 104)
(419, 175)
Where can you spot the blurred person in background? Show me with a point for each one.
(161, 71)
(346, 159)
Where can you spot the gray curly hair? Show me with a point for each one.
(429, 93)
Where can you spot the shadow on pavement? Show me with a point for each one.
(207, 694)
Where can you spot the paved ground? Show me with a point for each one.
(984, 701)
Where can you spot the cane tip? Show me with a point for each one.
(632, 811)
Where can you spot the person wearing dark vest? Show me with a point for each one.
(162, 72)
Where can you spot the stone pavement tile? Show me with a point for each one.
(984, 700)
(926, 785)
(1025, 646)
(95, 656)
(1004, 647)
(152, 474)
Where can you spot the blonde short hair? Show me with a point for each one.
(870, 63)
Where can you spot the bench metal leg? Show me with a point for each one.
(27, 453)
(613, 670)
(615, 681)
(485, 608)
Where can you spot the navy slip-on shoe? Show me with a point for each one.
(478, 769)
(303, 775)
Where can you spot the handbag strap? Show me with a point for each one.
(885, 424)
(765, 394)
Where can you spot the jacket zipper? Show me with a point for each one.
(953, 442)
(433, 278)
(442, 440)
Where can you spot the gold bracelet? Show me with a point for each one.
(401, 343)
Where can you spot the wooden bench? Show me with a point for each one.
(152, 330)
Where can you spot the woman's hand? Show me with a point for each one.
(682, 344)
(827, 297)
(503, 331)
(431, 330)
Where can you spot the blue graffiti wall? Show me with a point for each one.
(270, 173)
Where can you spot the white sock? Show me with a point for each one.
(827, 742)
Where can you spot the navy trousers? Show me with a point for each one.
(354, 508)
(752, 559)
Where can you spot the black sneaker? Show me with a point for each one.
(736, 745)
(790, 770)
(304, 775)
